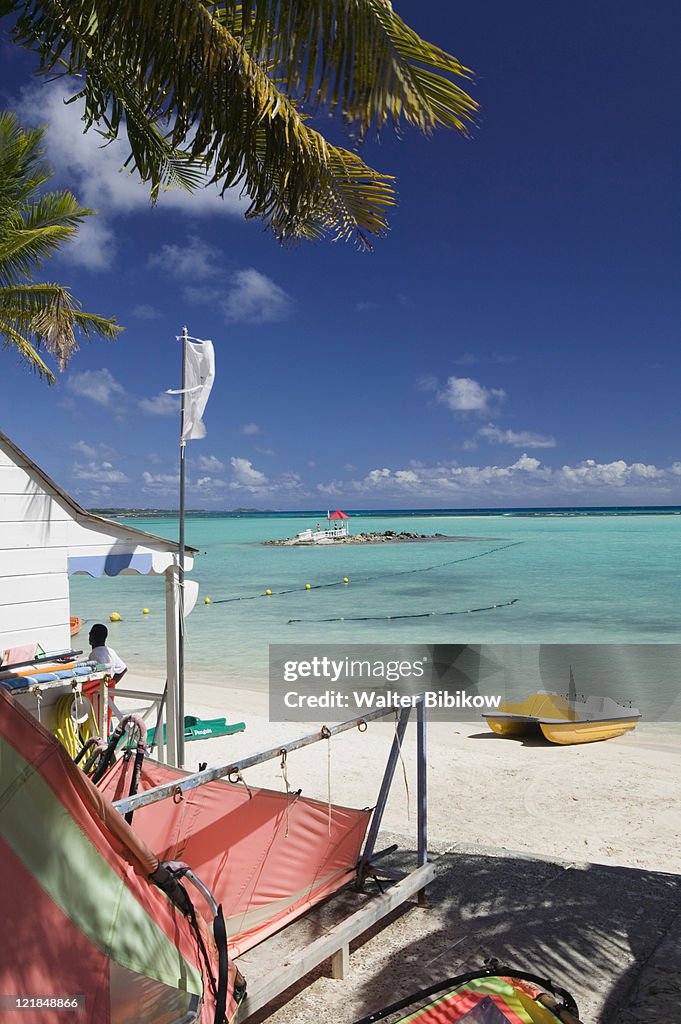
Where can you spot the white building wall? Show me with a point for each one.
(40, 530)
(34, 586)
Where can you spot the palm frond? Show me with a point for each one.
(361, 58)
(47, 315)
(22, 170)
(14, 339)
(32, 227)
(199, 80)
(22, 251)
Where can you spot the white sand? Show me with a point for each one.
(613, 802)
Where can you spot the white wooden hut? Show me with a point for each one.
(45, 537)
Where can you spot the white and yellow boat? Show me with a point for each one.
(563, 721)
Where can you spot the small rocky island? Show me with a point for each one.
(385, 537)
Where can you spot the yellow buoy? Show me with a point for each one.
(114, 617)
(345, 579)
(145, 611)
(268, 593)
(307, 586)
(206, 600)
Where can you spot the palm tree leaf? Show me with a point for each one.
(187, 69)
(51, 314)
(16, 340)
(362, 58)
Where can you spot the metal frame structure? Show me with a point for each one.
(266, 980)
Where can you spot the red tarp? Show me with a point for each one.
(266, 857)
(79, 914)
(337, 515)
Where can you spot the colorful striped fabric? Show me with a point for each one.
(81, 918)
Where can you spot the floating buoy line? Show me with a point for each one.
(413, 615)
(370, 579)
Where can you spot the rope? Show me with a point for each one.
(404, 767)
(240, 778)
(407, 615)
(368, 579)
(73, 735)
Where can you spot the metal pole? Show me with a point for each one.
(377, 817)
(421, 784)
(180, 666)
(188, 782)
(171, 661)
(422, 794)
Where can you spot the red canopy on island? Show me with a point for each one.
(337, 515)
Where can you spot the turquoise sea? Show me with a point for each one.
(575, 576)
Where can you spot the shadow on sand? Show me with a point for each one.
(590, 928)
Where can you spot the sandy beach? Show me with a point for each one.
(561, 860)
(615, 802)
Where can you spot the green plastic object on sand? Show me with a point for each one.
(203, 728)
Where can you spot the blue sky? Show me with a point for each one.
(512, 341)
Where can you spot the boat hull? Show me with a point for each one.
(585, 732)
(510, 727)
(563, 721)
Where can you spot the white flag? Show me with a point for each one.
(199, 373)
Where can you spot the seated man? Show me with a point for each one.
(104, 655)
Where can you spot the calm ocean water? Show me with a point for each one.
(612, 577)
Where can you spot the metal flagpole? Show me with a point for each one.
(180, 651)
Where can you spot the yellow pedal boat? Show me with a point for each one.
(562, 720)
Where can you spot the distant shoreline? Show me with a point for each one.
(449, 513)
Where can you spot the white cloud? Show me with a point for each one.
(518, 439)
(161, 405)
(245, 474)
(427, 383)
(202, 295)
(333, 489)
(94, 172)
(164, 481)
(85, 449)
(520, 482)
(464, 395)
(93, 246)
(250, 429)
(146, 312)
(609, 474)
(255, 299)
(102, 472)
(97, 167)
(193, 259)
(209, 483)
(246, 477)
(247, 297)
(289, 479)
(99, 386)
(210, 464)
